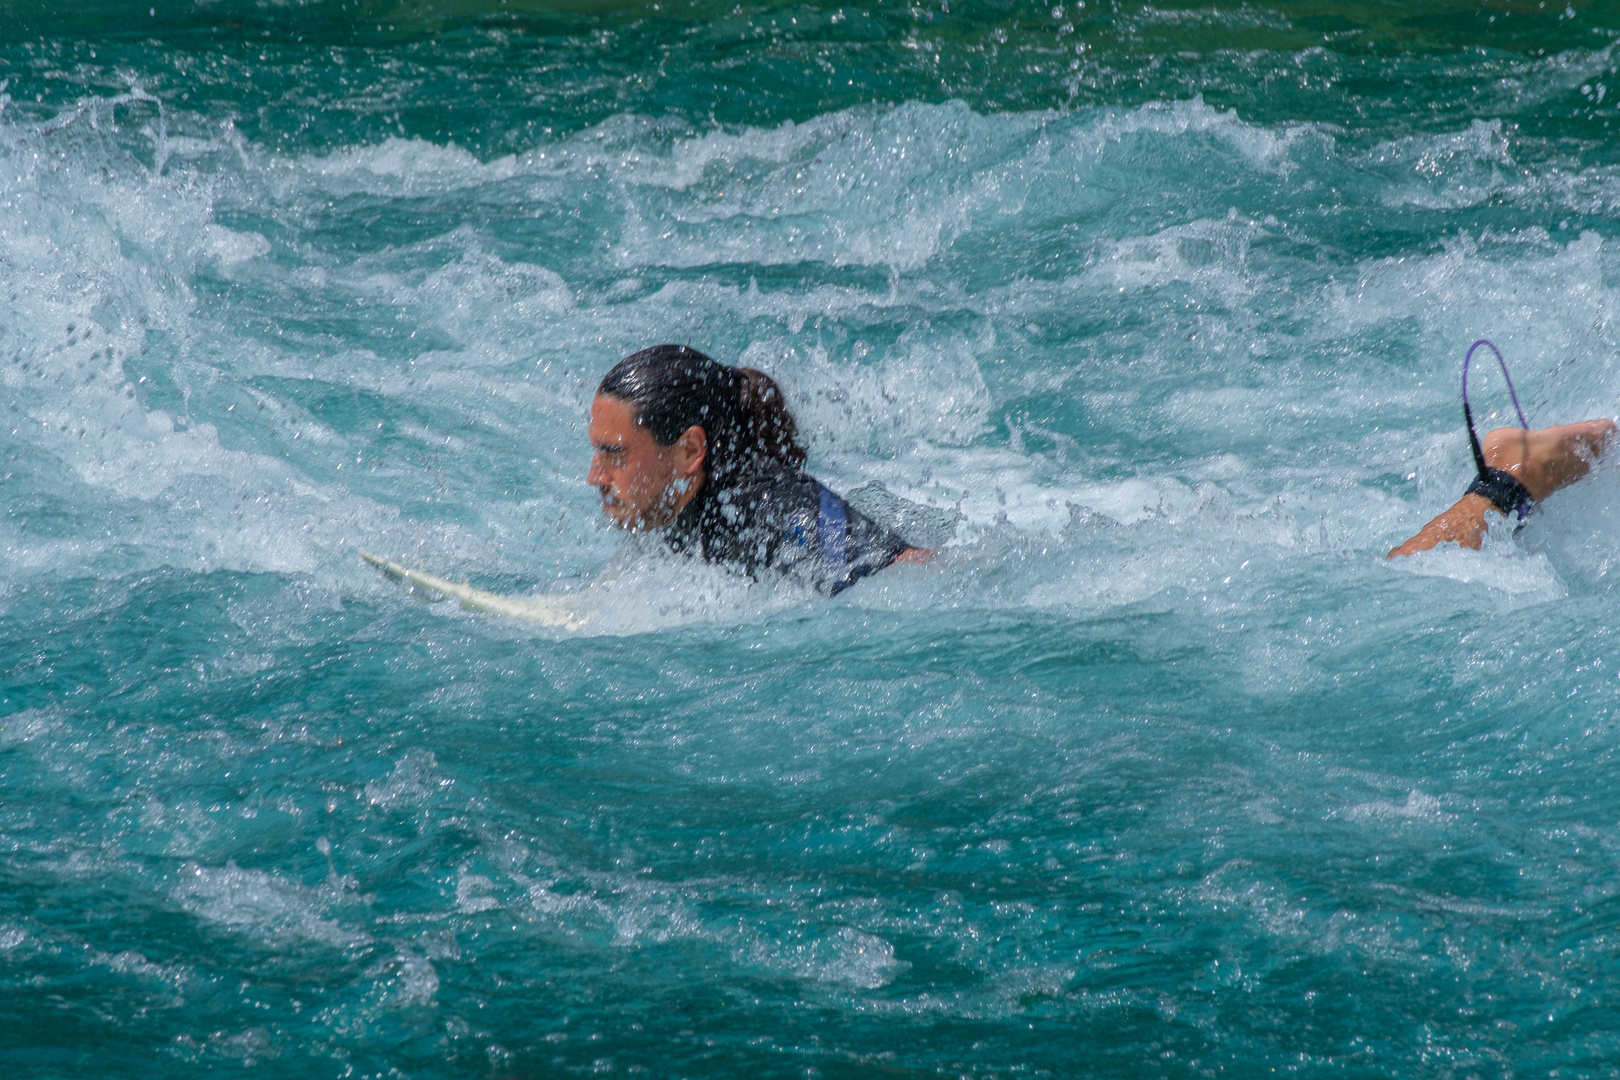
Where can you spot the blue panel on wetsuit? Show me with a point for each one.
(763, 520)
(832, 528)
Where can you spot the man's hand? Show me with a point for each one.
(1543, 461)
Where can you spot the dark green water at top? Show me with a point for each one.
(497, 77)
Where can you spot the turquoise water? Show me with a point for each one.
(1160, 769)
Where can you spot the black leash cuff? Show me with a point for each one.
(1504, 492)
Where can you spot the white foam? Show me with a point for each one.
(1505, 569)
(415, 779)
(891, 381)
(416, 983)
(1416, 807)
(229, 247)
(400, 168)
(1265, 148)
(1210, 255)
(266, 905)
(1453, 170)
(863, 961)
(470, 898)
(27, 726)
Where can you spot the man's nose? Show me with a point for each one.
(597, 475)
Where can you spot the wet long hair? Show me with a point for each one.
(741, 410)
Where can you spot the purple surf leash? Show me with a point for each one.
(1468, 414)
(1501, 488)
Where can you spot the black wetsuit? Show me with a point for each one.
(774, 519)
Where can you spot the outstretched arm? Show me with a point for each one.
(1543, 461)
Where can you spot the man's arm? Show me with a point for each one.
(1543, 461)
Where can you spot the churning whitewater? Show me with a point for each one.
(1158, 768)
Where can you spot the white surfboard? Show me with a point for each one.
(543, 610)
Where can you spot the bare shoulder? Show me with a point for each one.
(1549, 458)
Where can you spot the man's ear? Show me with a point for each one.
(691, 449)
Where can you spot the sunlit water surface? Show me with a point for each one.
(1160, 769)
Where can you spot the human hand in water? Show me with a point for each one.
(1543, 461)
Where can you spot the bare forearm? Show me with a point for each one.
(1463, 523)
(1542, 461)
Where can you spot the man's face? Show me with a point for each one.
(641, 482)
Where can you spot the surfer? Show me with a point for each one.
(1518, 468)
(709, 455)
